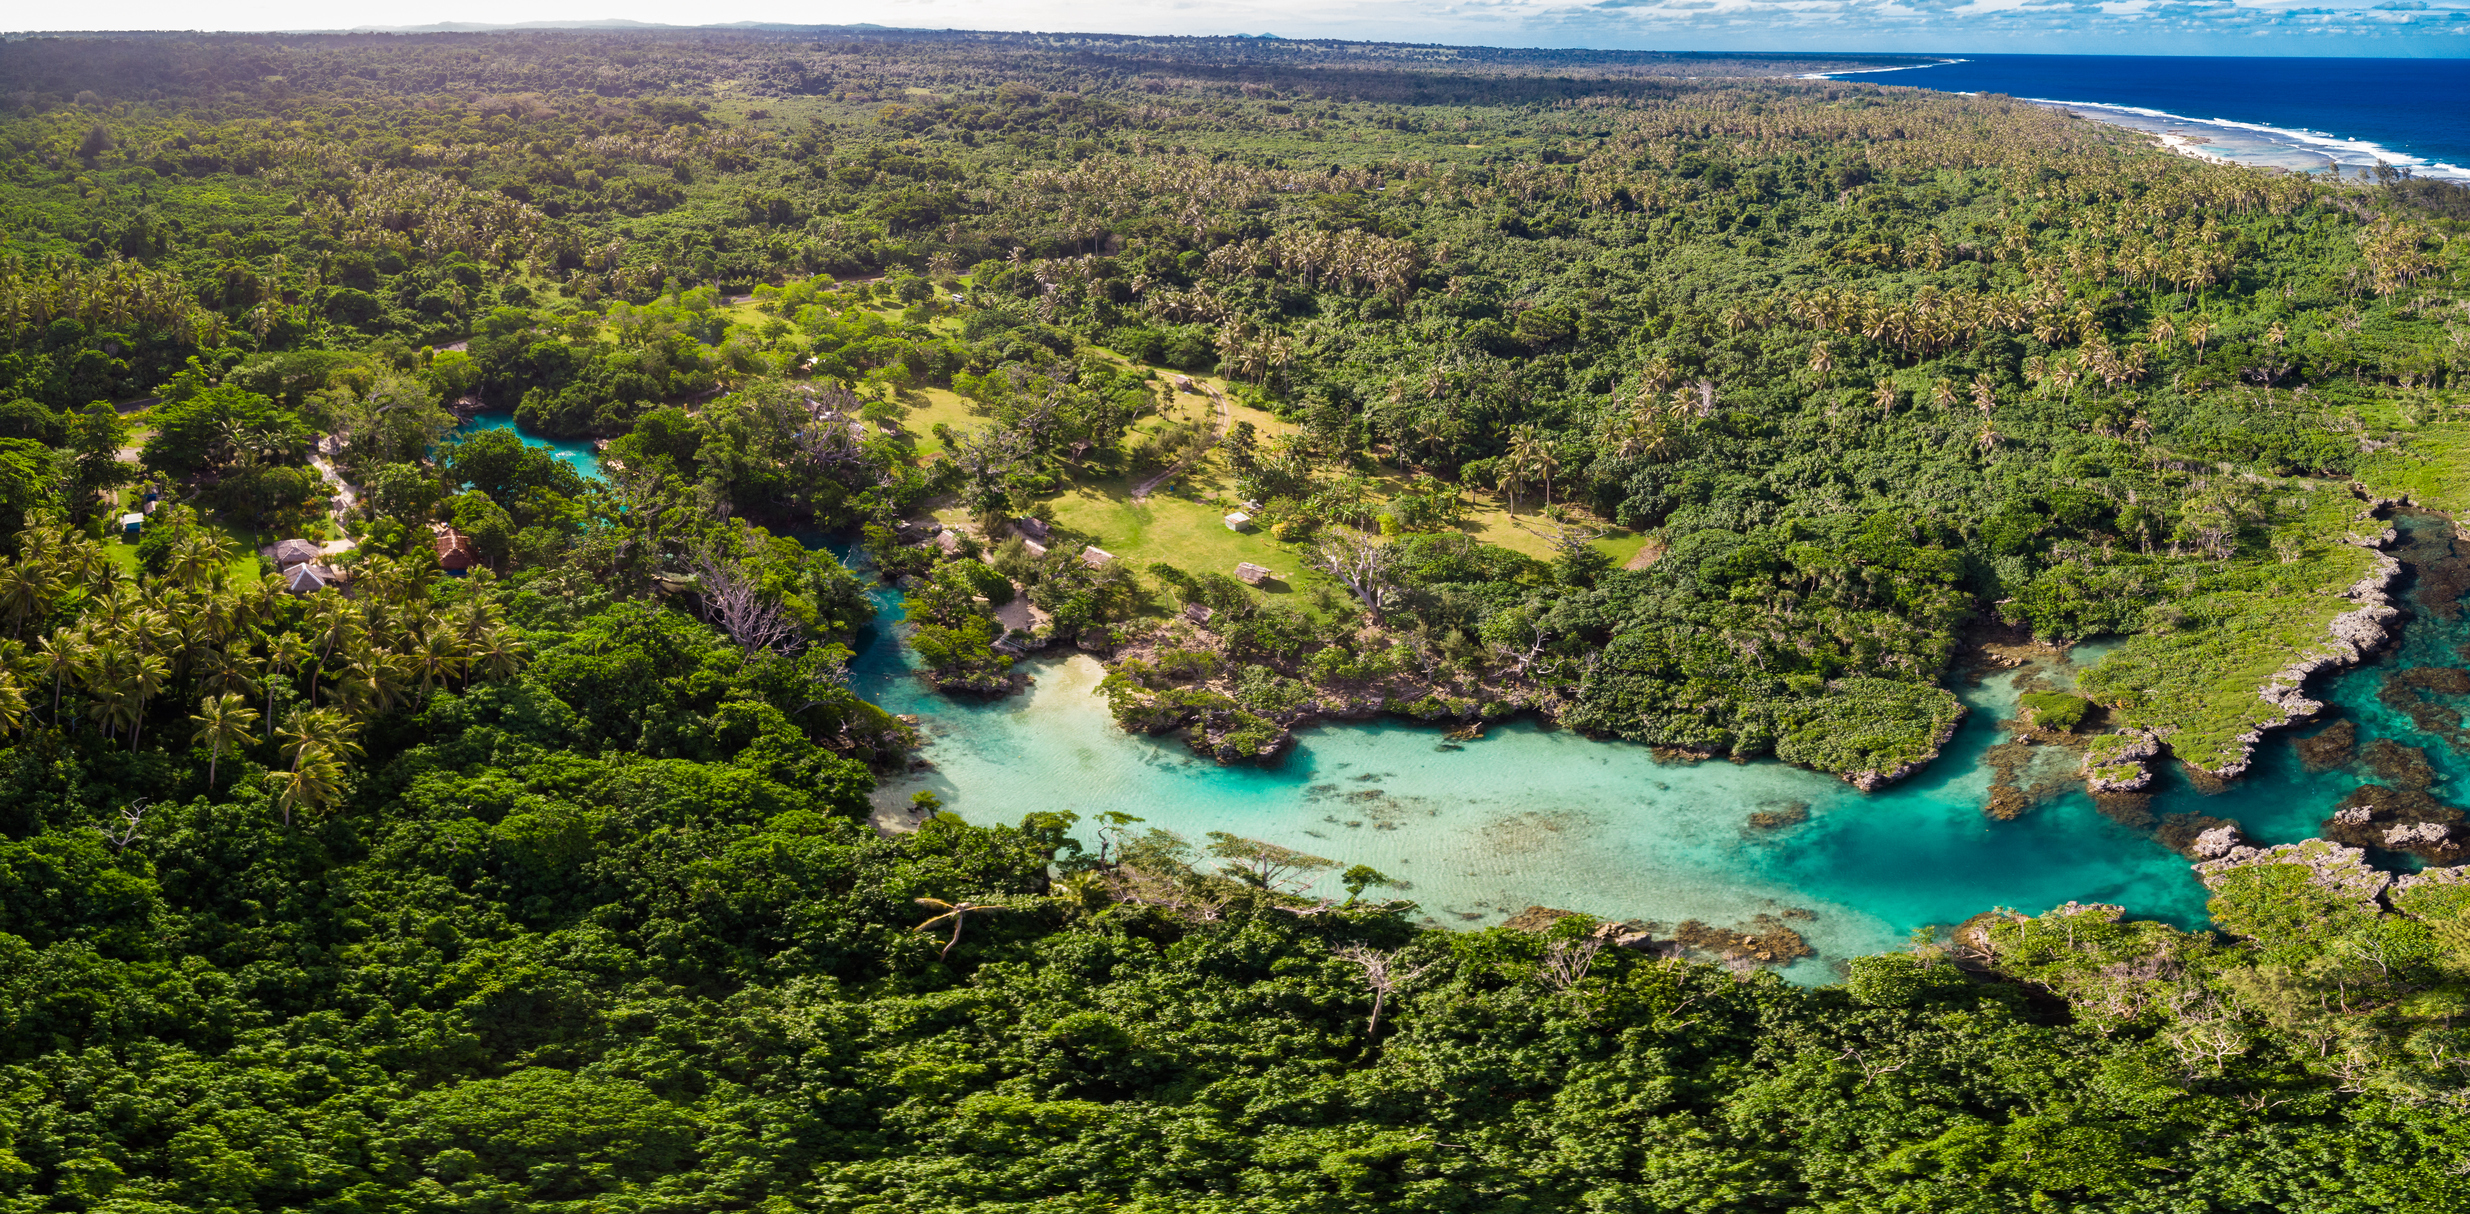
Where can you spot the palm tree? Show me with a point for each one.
(105, 677)
(468, 619)
(1883, 395)
(193, 560)
(1512, 481)
(229, 670)
(61, 653)
(499, 652)
(376, 682)
(222, 724)
(1541, 458)
(27, 587)
(1531, 455)
(12, 704)
(957, 913)
(315, 780)
(335, 628)
(284, 656)
(435, 657)
(323, 730)
(146, 674)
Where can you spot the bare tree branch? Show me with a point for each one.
(735, 602)
(1384, 975)
(1360, 562)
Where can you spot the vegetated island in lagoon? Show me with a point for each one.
(1714, 415)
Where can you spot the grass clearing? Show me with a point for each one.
(1182, 531)
(2432, 469)
(925, 408)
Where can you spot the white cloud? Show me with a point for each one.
(2130, 26)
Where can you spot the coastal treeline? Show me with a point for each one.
(507, 843)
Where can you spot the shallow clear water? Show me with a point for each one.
(1529, 815)
(574, 451)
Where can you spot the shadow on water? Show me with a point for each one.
(1535, 815)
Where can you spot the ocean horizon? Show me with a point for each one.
(2301, 114)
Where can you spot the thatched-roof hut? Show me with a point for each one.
(455, 553)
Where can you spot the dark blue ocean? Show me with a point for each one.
(2289, 111)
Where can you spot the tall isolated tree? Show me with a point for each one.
(1362, 563)
(1385, 974)
(222, 725)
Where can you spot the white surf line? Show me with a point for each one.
(2359, 151)
(1872, 71)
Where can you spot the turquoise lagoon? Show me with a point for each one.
(1530, 815)
(574, 451)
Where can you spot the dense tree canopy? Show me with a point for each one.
(551, 883)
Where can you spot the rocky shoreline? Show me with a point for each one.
(2355, 635)
(1872, 781)
(1232, 724)
(2124, 764)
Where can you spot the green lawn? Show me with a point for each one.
(1184, 532)
(924, 407)
(1183, 522)
(2432, 469)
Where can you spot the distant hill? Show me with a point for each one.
(607, 23)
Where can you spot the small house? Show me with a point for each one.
(310, 577)
(287, 553)
(1239, 521)
(131, 523)
(1032, 529)
(1035, 549)
(948, 540)
(1096, 557)
(1198, 613)
(455, 554)
(1252, 575)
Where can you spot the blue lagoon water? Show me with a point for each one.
(574, 451)
(1530, 815)
(2291, 112)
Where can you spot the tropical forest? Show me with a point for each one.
(460, 495)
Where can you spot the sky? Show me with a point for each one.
(2400, 28)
